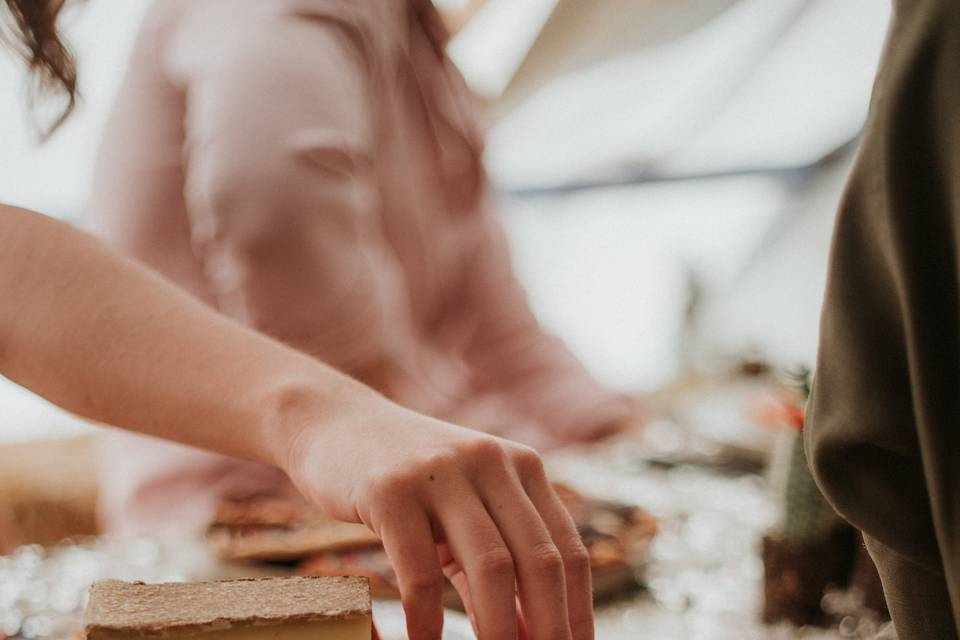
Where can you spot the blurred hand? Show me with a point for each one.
(9, 534)
(636, 418)
(448, 500)
(632, 421)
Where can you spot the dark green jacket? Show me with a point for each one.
(884, 434)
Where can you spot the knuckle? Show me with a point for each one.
(440, 462)
(393, 485)
(577, 558)
(497, 564)
(546, 557)
(528, 462)
(486, 452)
(424, 587)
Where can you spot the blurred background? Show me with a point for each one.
(667, 171)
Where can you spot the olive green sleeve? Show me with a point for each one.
(884, 429)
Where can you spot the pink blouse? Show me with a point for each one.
(313, 169)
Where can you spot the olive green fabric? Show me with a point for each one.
(888, 632)
(916, 597)
(884, 430)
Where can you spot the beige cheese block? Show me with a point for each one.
(293, 608)
(358, 629)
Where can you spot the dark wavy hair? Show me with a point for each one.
(31, 29)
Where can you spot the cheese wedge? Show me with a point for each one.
(295, 608)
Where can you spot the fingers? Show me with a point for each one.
(458, 578)
(486, 504)
(576, 560)
(539, 563)
(454, 573)
(408, 541)
(479, 549)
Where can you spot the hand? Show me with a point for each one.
(448, 500)
(634, 418)
(9, 535)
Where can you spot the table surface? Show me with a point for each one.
(703, 579)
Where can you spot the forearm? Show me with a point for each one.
(113, 342)
(109, 340)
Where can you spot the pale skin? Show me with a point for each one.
(110, 341)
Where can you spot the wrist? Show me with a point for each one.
(292, 409)
(308, 428)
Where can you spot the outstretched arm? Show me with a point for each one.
(109, 340)
(113, 342)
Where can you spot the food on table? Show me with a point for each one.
(616, 535)
(281, 528)
(295, 608)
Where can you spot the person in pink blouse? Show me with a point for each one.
(313, 169)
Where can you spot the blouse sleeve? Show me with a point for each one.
(279, 183)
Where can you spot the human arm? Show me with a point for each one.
(109, 340)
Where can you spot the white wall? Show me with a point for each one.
(53, 178)
(606, 269)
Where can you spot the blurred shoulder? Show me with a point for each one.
(215, 19)
(194, 35)
(202, 36)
